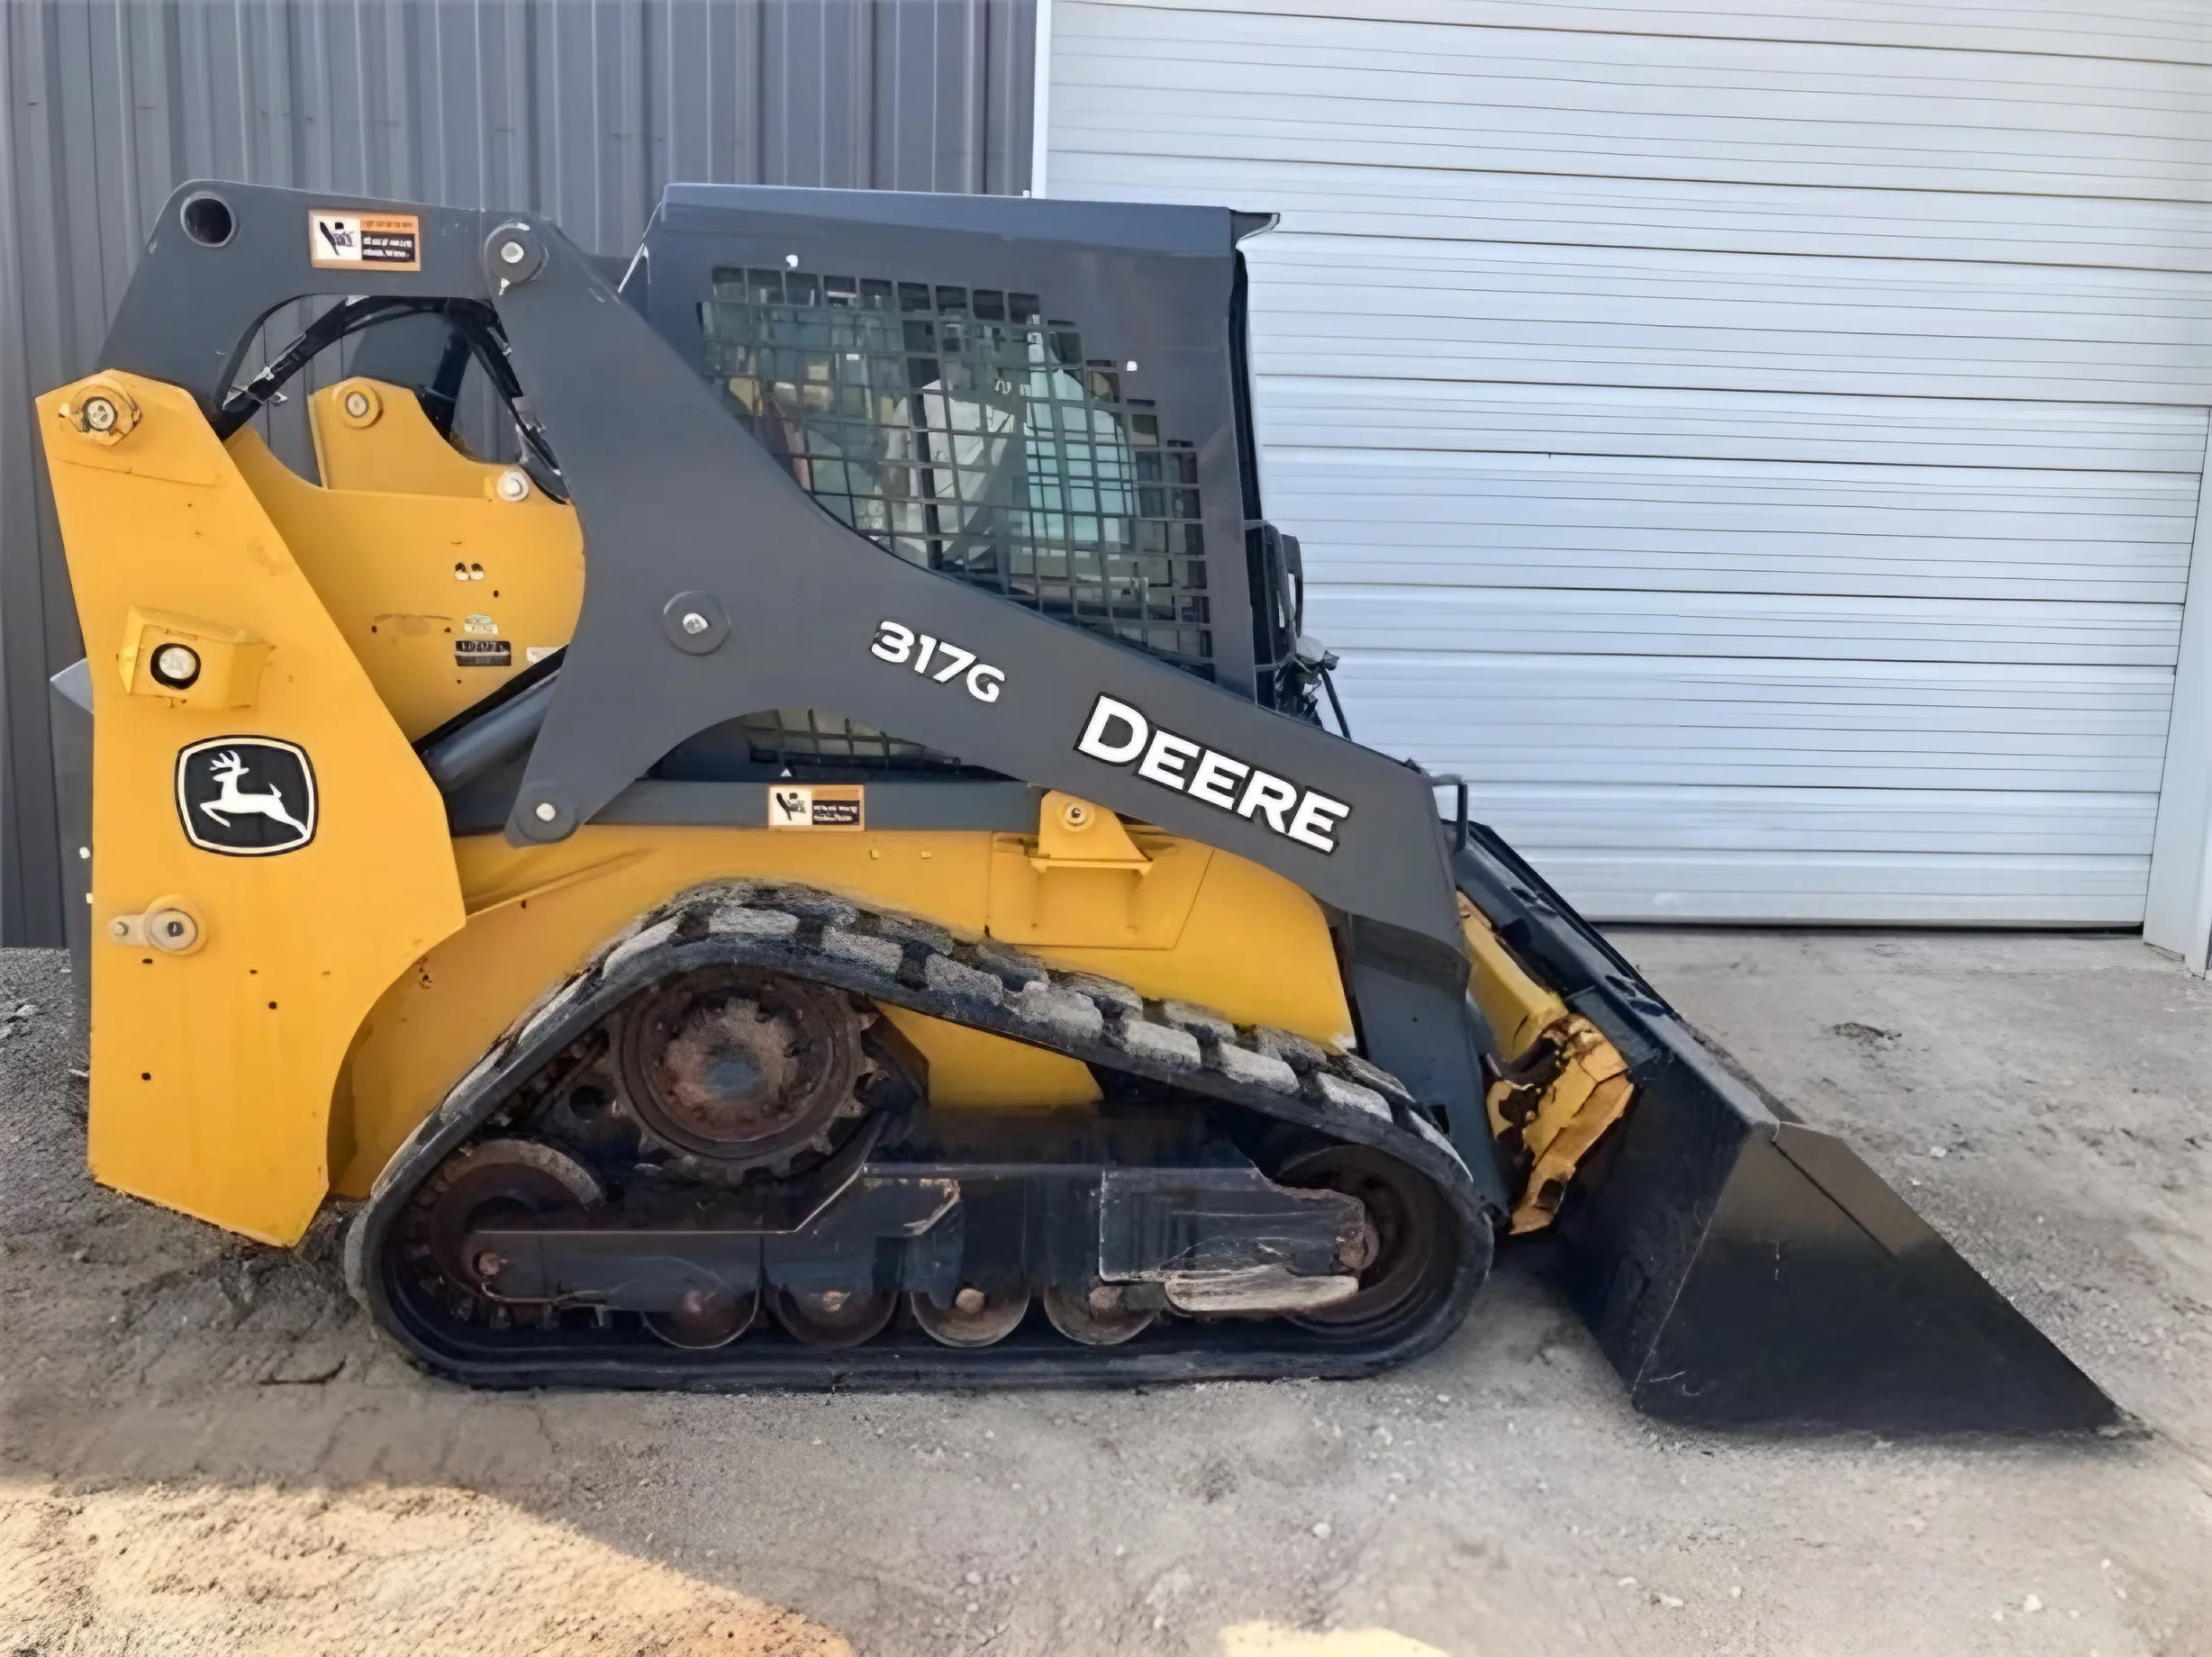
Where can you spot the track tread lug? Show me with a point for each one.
(1253, 1069)
(1112, 995)
(1338, 1094)
(1010, 967)
(1294, 1050)
(1070, 1017)
(1163, 1044)
(767, 924)
(1200, 1021)
(961, 981)
(885, 954)
(1373, 1076)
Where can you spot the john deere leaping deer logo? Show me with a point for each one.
(246, 796)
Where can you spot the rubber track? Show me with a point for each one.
(904, 961)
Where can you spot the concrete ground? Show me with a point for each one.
(201, 1448)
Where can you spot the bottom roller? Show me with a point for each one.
(1741, 1268)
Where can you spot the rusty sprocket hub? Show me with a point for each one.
(740, 1067)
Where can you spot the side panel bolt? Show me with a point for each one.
(512, 252)
(695, 623)
(547, 811)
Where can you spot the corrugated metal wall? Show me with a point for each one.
(581, 109)
(1757, 443)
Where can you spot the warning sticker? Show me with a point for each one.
(482, 653)
(480, 624)
(839, 807)
(359, 241)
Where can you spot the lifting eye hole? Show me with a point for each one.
(206, 220)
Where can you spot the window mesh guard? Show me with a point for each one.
(960, 430)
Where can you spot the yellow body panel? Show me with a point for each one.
(1255, 946)
(319, 1003)
(408, 576)
(1037, 903)
(1250, 943)
(974, 1070)
(391, 445)
(213, 1070)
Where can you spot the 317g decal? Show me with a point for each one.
(937, 658)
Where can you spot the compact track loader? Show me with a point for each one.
(832, 866)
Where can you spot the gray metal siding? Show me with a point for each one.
(581, 109)
(1757, 442)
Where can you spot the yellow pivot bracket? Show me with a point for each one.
(269, 853)
(1562, 1082)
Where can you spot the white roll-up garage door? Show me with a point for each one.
(1759, 449)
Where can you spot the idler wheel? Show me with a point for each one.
(1397, 1255)
(497, 1179)
(974, 1318)
(834, 1318)
(706, 1318)
(738, 1066)
(1096, 1316)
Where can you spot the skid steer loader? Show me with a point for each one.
(832, 867)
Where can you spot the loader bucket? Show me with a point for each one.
(1740, 1268)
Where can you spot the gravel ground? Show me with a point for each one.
(201, 1448)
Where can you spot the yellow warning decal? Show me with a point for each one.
(794, 806)
(338, 240)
